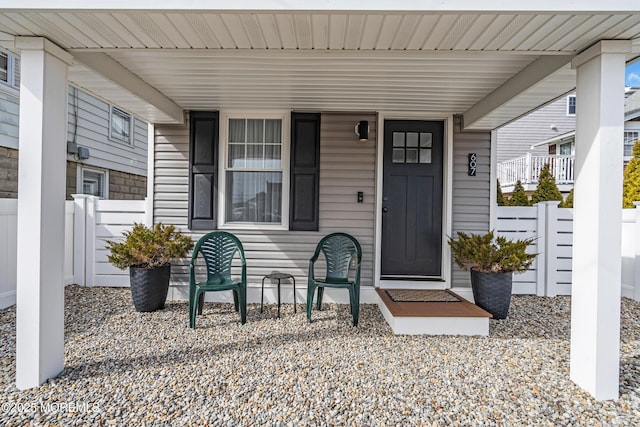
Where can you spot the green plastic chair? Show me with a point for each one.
(218, 249)
(339, 250)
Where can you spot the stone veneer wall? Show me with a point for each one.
(126, 186)
(8, 173)
(72, 179)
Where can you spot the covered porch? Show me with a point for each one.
(467, 70)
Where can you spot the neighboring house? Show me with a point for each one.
(267, 151)
(546, 136)
(106, 146)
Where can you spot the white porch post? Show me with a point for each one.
(595, 307)
(41, 195)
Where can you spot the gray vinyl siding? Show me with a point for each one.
(470, 193)
(346, 167)
(515, 139)
(93, 132)
(9, 118)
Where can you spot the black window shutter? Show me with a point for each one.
(305, 172)
(203, 168)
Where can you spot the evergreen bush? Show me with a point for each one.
(631, 184)
(149, 247)
(500, 198)
(519, 196)
(568, 202)
(547, 188)
(490, 254)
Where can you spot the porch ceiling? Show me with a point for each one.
(431, 62)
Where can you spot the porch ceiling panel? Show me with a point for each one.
(436, 62)
(440, 82)
(417, 30)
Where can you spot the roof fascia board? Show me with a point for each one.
(531, 75)
(539, 6)
(112, 70)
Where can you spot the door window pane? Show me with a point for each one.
(412, 139)
(426, 140)
(425, 155)
(398, 139)
(412, 155)
(398, 155)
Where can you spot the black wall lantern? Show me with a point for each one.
(362, 130)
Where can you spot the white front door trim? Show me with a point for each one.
(447, 198)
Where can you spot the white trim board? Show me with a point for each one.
(447, 195)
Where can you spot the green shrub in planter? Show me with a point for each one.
(147, 252)
(492, 261)
(490, 254)
(147, 247)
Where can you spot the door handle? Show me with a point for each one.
(385, 209)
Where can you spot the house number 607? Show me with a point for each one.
(473, 164)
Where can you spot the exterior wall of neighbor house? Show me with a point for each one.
(125, 164)
(516, 138)
(471, 194)
(346, 167)
(8, 173)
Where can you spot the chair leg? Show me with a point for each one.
(310, 291)
(320, 294)
(193, 310)
(200, 302)
(355, 307)
(235, 299)
(242, 297)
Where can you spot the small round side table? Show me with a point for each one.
(276, 275)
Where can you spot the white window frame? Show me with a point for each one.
(223, 150)
(80, 180)
(118, 138)
(631, 127)
(11, 71)
(569, 113)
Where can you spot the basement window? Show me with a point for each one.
(94, 183)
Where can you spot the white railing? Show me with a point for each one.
(527, 169)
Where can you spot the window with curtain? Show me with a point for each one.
(121, 125)
(254, 171)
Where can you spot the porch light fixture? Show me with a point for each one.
(362, 130)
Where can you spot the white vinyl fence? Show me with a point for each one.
(552, 227)
(95, 222)
(89, 222)
(9, 243)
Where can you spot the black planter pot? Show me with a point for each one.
(492, 292)
(149, 287)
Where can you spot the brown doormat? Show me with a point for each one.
(420, 295)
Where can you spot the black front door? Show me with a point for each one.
(412, 200)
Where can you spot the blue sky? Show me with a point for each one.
(632, 76)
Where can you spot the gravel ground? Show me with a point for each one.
(127, 368)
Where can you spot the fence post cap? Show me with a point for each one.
(636, 204)
(548, 202)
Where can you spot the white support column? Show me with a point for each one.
(41, 211)
(595, 307)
